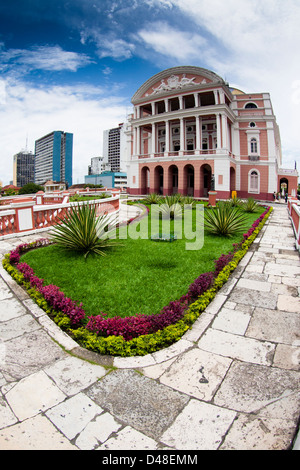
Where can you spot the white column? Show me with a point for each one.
(198, 133)
(134, 141)
(222, 97)
(153, 140)
(218, 121)
(216, 96)
(224, 131)
(166, 105)
(196, 98)
(167, 136)
(138, 141)
(153, 108)
(180, 101)
(182, 135)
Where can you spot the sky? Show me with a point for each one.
(74, 65)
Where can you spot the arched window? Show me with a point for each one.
(251, 106)
(254, 182)
(253, 145)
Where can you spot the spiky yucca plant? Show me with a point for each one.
(174, 211)
(250, 205)
(235, 201)
(224, 220)
(152, 198)
(189, 201)
(81, 230)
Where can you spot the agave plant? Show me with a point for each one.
(235, 201)
(250, 205)
(189, 201)
(171, 200)
(81, 230)
(174, 211)
(152, 198)
(224, 220)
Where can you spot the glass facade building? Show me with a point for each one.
(23, 168)
(54, 158)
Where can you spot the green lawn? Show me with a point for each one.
(142, 276)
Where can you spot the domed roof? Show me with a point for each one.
(236, 91)
(174, 79)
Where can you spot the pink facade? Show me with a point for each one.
(189, 126)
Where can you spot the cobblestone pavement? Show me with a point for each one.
(232, 381)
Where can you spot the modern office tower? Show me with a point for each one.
(23, 168)
(191, 132)
(114, 150)
(54, 157)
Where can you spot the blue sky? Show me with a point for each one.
(74, 65)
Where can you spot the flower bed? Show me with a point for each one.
(129, 336)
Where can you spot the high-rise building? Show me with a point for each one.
(23, 168)
(114, 150)
(54, 158)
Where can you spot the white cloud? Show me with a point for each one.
(49, 58)
(174, 44)
(33, 112)
(108, 45)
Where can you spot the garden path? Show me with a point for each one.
(232, 382)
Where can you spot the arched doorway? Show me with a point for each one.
(189, 180)
(205, 179)
(283, 186)
(173, 179)
(158, 179)
(145, 180)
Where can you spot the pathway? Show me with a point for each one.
(232, 382)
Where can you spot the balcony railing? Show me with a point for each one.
(253, 158)
(187, 153)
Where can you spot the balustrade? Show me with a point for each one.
(7, 222)
(294, 212)
(45, 216)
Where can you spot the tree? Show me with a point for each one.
(30, 188)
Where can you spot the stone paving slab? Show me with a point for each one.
(129, 439)
(73, 415)
(72, 375)
(36, 433)
(211, 423)
(258, 434)
(274, 325)
(37, 351)
(252, 388)
(144, 404)
(32, 395)
(237, 347)
(254, 297)
(201, 378)
(231, 382)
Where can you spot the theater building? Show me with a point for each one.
(190, 127)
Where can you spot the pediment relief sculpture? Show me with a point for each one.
(174, 82)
